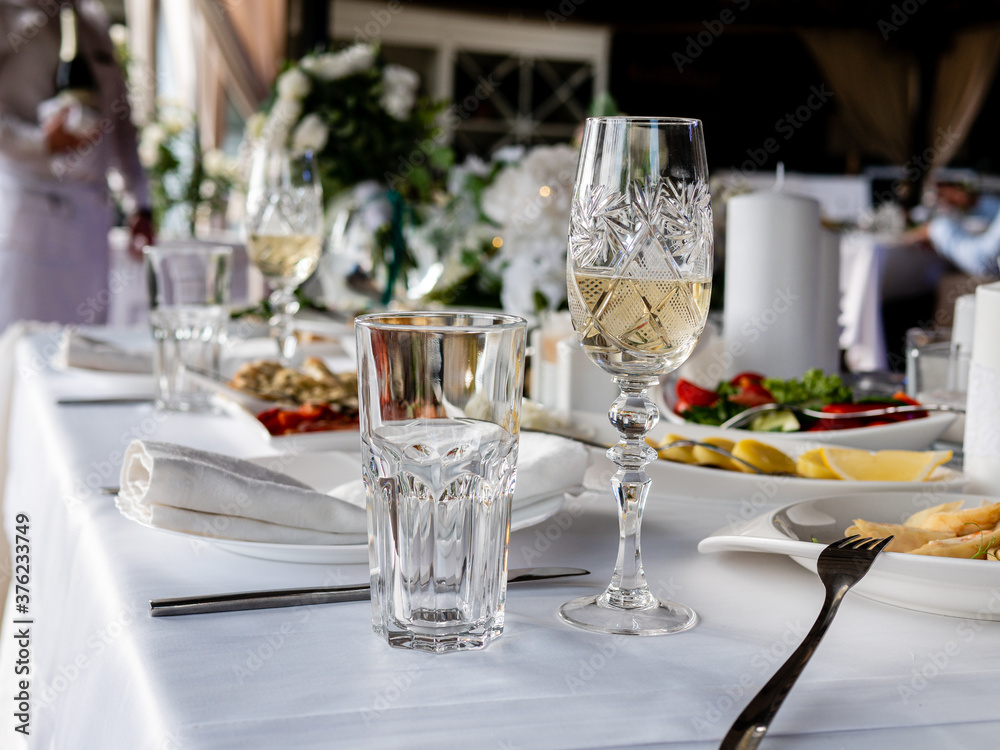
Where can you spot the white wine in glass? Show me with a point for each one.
(639, 280)
(284, 226)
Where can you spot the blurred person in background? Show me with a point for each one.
(965, 229)
(65, 120)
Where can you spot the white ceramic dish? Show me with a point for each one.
(244, 408)
(959, 588)
(911, 434)
(324, 472)
(752, 492)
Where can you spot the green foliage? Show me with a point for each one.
(815, 386)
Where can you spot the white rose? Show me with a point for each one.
(118, 34)
(399, 91)
(255, 124)
(279, 122)
(216, 163)
(293, 85)
(310, 135)
(333, 65)
(149, 153)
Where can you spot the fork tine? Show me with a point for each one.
(881, 544)
(855, 543)
(846, 540)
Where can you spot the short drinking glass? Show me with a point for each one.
(189, 293)
(440, 395)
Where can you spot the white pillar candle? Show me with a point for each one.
(778, 319)
(982, 420)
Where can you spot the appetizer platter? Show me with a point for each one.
(926, 581)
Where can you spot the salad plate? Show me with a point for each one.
(912, 434)
(706, 408)
(938, 585)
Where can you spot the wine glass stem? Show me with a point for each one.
(633, 415)
(284, 305)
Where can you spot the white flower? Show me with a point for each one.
(473, 166)
(530, 200)
(175, 120)
(310, 134)
(540, 267)
(399, 91)
(207, 189)
(333, 65)
(118, 34)
(293, 85)
(149, 153)
(284, 114)
(218, 164)
(255, 125)
(150, 141)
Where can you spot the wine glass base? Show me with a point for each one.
(657, 618)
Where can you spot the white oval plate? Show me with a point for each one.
(944, 586)
(911, 434)
(754, 491)
(325, 471)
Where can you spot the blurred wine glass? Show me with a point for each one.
(284, 228)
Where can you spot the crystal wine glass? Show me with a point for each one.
(284, 226)
(639, 278)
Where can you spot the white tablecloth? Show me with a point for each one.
(876, 268)
(103, 674)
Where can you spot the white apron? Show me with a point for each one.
(53, 250)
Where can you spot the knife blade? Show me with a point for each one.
(196, 605)
(105, 401)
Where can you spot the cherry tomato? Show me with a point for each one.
(752, 394)
(746, 379)
(695, 395)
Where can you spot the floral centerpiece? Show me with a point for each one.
(185, 182)
(363, 121)
(502, 235)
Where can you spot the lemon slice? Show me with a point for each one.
(683, 455)
(882, 466)
(765, 457)
(810, 465)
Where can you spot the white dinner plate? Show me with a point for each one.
(939, 585)
(752, 492)
(910, 434)
(325, 471)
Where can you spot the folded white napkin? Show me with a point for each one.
(197, 492)
(89, 353)
(174, 487)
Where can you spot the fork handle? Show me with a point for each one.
(751, 725)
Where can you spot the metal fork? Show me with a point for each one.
(840, 566)
(748, 414)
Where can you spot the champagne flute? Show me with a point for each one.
(639, 278)
(284, 226)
